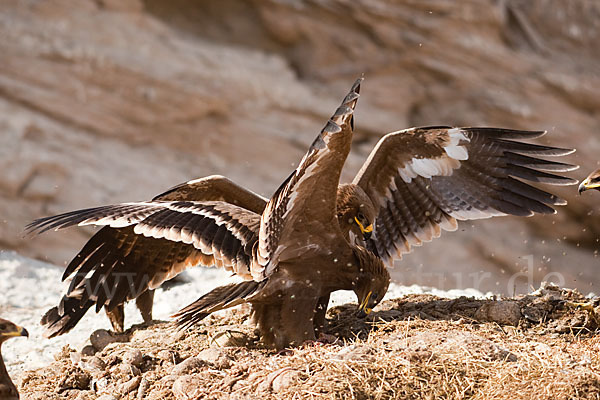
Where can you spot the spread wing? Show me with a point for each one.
(215, 188)
(144, 244)
(305, 204)
(424, 179)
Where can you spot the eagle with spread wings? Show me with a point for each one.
(303, 243)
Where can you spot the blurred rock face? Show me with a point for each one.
(109, 101)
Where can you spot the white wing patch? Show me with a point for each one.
(441, 166)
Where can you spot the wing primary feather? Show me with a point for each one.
(533, 149)
(516, 186)
(538, 176)
(503, 133)
(537, 163)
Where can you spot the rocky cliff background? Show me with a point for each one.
(108, 101)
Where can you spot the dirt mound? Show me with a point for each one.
(538, 346)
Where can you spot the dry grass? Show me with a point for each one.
(419, 347)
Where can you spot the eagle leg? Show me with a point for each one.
(319, 322)
(116, 317)
(144, 303)
(297, 320)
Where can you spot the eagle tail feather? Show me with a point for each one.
(62, 318)
(218, 299)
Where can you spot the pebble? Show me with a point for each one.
(94, 365)
(130, 385)
(215, 357)
(133, 357)
(88, 350)
(102, 338)
(168, 356)
(230, 338)
(188, 365)
(128, 369)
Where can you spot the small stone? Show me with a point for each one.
(187, 387)
(168, 356)
(216, 357)
(128, 369)
(133, 357)
(130, 385)
(102, 338)
(187, 366)
(229, 338)
(88, 350)
(94, 365)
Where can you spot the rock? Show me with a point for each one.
(130, 385)
(88, 350)
(94, 365)
(133, 357)
(501, 312)
(186, 387)
(102, 338)
(188, 365)
(168, 356)
(215, 357)
(229, 338)
(128, 369)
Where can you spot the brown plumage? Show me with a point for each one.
(415, 183)
(592, 181)
(8, 390)
(284, 293)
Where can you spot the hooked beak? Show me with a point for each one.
(19, 332)
(363, 309)
(366, 231)
(587, 185)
